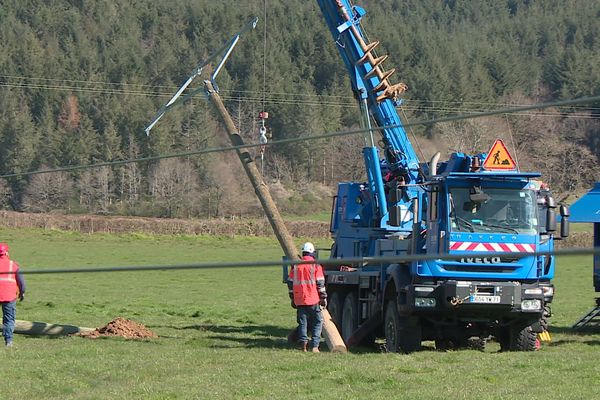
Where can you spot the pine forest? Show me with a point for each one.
(81, 79)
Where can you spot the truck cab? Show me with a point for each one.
(492, 283)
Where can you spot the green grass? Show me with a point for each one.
(222, 332)
(582, 227)
(322, 216)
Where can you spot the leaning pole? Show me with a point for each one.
(35, 328)
(332, 336)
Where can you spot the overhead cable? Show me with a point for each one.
(350, 261)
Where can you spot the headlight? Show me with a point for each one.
(533, 291)
(531, 305)
(548, 291)
(423, 289)
(424, 302)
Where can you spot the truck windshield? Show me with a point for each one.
(493, 210)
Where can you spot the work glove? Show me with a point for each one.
(293, 304)
(21, 296)
(323, 302)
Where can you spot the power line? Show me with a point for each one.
(259, 93)
(582, 100)
(437, 106)
(325, 262)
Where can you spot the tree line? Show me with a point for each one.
(80, 80)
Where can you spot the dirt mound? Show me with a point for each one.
(121, 327)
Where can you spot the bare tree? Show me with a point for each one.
(94, 189)
(227, 188)
(278, 168)
(5, 194)
(173, 186)
(469, 136)
(345, 159)
(48, 192)
(130, 177)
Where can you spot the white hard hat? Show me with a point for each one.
(308, 248)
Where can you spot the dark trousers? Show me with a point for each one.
(309, 316)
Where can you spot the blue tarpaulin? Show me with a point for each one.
(587, 208)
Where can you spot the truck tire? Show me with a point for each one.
(518, 338)
(545, 317)
(334, 305)
(526, 340)
(402, 334)
(349, 316)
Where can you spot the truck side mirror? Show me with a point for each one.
(564, 222)
(550, 214)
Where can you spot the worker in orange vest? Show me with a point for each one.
(12, 286)
(306, 285)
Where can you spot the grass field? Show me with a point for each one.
(222, 333)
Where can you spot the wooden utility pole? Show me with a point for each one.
(332, 336)
(43, 328)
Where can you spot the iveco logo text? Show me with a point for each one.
(484, 260)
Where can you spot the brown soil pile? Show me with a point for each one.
(121, 327)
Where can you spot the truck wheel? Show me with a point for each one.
(516, 338)
(545, 317)
(401, 334)
(334, 305)
(349, 316)
(526, 340)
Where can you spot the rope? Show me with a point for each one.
(264, 57)
(415, 140)
(512, 141)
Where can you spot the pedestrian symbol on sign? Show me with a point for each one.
(499, 158)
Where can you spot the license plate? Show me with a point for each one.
(484, 299)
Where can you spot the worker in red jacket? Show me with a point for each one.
(307, 290)
(12, 286)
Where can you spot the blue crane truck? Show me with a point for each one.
(491, 218)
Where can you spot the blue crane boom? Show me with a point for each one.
(378, 98)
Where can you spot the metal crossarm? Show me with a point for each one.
(225, 50)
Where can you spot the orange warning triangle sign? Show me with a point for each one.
(499, 158)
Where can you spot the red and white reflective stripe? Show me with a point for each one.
(10, 277)
(496, 247)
